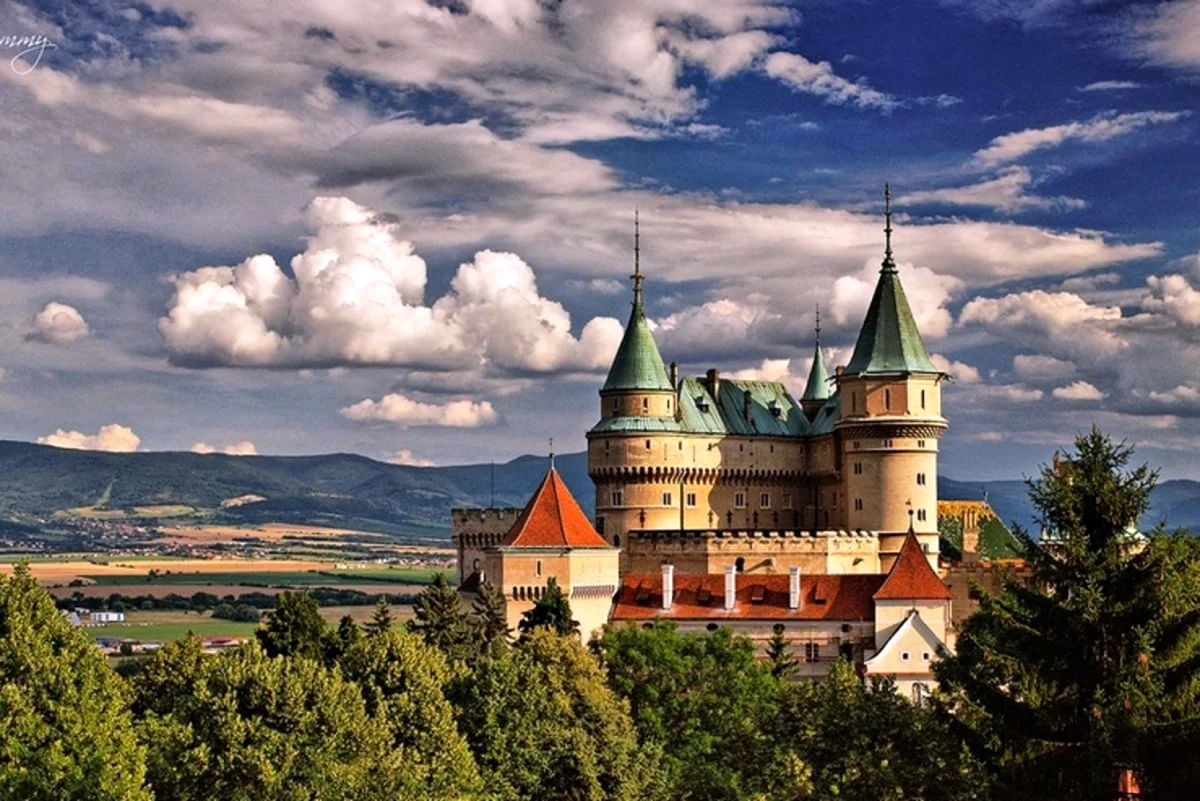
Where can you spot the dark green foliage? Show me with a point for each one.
(381, 619)
(294, 628)
(779, 654)
(864, 742)
(705, 700)
(950, 533)
(439, 619)
(543, 724)
(489, 620)
(65, 727)
(551, 612)
(349, 634)
(240, 612)
(1093, 664)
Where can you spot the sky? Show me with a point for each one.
(404, 229)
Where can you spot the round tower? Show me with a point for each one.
(890, 421)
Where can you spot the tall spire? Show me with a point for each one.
(817, 388)
(637, 276)
(889, 264)
(638, 364)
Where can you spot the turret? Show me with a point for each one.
(816, 391)
(890, 420)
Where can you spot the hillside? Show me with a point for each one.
(38, 482)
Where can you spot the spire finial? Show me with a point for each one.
(818, 327)
(889, 264)
(552, 453)
(637, 276)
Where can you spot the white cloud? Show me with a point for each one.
(1170, 34)
(405, 456)
(1031, 367)
(818, 78)
(1180, 395)
(1007, 192)
(58, 323)
(111, 437)
(358, 298)
(927, 293)
(1109, 86)
(244, 448)
(1079, 391)
(1100, 128)
(1175, 297)
(1022, 394)
(959, 371)
(1060, 321)
(397, 408)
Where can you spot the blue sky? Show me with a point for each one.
(404, 229)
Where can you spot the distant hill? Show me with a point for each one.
(39, 482)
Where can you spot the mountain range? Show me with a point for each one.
(40, 483)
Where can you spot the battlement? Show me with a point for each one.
(749, 533)
(754, 550)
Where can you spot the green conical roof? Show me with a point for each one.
(637, 364)
(889, 341)
(817, 388)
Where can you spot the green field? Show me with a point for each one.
(284, 578)
(166, 626)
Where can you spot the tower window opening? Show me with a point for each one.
(739, 500)
(857, 444)
(539, 568)
(853, 402)
(668, 404)
(691, 499)
(666, 499)
(887, 399)
(680, 445)
(858, 504)
(921, 515)
(618, 498)
(921, 479)
(764, 500)
(920, 443)
(740, 564)
(606, 444)
(645, 403)
(647, 444)
(922, 399)
(858, 468)
(887, 443)
(787, 500)
(812, 651)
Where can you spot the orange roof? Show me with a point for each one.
(911, 577)
(553, 519)
(759, 597)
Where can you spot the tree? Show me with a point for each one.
(542, 723)
(381, 619)
(349, 634)
(439, 619)
(66, 731)
(552, 611)
(862, 741)
(1091, 666)
(294, 628)
(489, 618)
(402, 682)
(783, 665)
(707, 702)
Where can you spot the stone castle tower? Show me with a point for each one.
(707, 471)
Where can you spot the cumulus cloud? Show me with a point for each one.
(1022, 394)
(244, 448)
(1100, 128)
(1033, 367)
(405, 456)
(1060, 321)
(1174, 296)
(358, 298)
(112, 437)
(58, 323)
(959, 371)
(1079, 391)
(397, 408)
(1007, 192)
(818, 78)
(1182, 394)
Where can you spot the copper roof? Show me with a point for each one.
(911, 578)
(553, 519)
(759, 597)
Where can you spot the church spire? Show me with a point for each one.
(889, 264)
(637, 276)
(817, 388)
(638, 364)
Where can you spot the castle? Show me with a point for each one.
(729, 502)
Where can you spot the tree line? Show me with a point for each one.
(1056, 687)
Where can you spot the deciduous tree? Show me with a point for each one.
(294, 628)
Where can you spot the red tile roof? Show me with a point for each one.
(702, 597)
(553, 519)
(911, 577)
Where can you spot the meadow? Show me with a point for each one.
(165, 626)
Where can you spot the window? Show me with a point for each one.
(600, 526)
(857, 444)
(666, 498)
(647, 444)
(858, 468)
(920, 443)
(764, 500)
(853, 402)
(741, 448)
(712, 627)
(921, 479)
(645, 403)
(834, 499)
(858, 504)
(739, 500)
(904, 656)
(618, 498)
(691, 499)
(772, 448)
(740, 564)
(539, 568)
(887, 399)
(812, 652)
(921, 515)
(787, 500)
(680, 447)
(887, 443)
(924, 656)
(922, 399)
(668, 404)
(606, 444)
(615, 406)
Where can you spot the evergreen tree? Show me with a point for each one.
(65, 726)
(552, 611)
(489, 618)
(295, 628)
(348, 635)
(1091, 665)
(439, 619)
(381, 619)
(779, 654)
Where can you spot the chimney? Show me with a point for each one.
(674, 375)
(712, 380)
(841, 368)
(730, 587)
(668, 588)
(793, 588)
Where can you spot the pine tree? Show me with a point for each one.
(381, 619)
(65, 726)
(552, 611)
(779, 655)
(489, 618)
(439, 618)
(1091, 665)
(295, 628)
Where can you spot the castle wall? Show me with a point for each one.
(473, 530)
(759, 551)
(589, 576)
